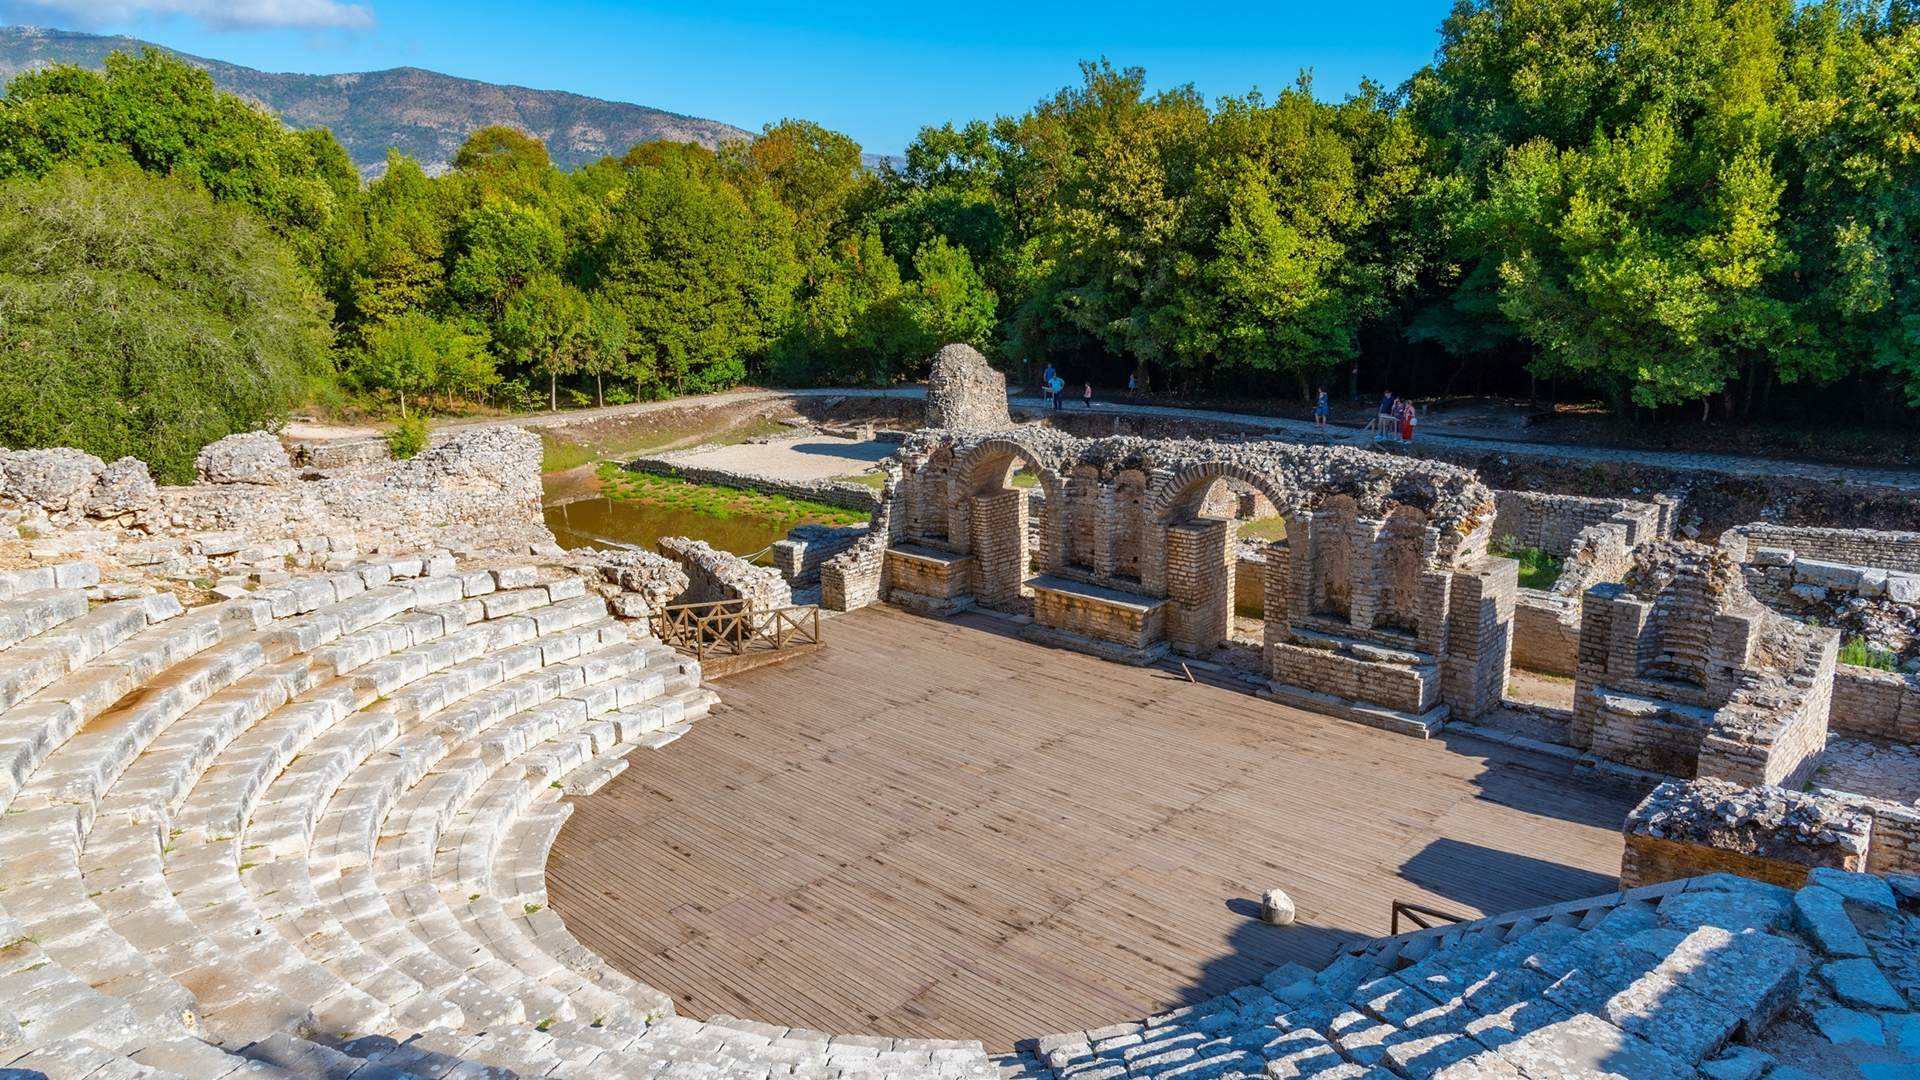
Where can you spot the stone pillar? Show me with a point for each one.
(1479, 637)
(1301, 539)
(1368, 563)
(1279, 591)
(1105, 521)
(1199, 586)
(998, 527)
(1436, 593)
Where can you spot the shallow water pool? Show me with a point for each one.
(601, 522)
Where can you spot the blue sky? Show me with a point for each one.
(877, 71)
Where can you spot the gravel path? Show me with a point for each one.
(809, 457)
(1902, 479)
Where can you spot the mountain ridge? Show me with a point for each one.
(424, 114)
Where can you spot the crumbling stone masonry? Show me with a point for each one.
(1382, 605)
(1596, 538)
(1682, 672)
(964, 391)
(713, 574)
(1765, 833)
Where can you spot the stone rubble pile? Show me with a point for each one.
(964, 391)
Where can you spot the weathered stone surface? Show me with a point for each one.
(1868, 891)
(1859, 983)
(1738, 1063)
(964, 391)
(1589, 1048)
(1276, 907)
(56, 479)
(1822, 915)
(122, 487)
(1842, 1026)
(1770, 832)
(713, 574)
(255, 457)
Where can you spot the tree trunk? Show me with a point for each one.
(553, 392)
(599, 395)
(403, 404)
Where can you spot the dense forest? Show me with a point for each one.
(1655, 203)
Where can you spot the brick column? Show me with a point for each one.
(1479, 637)
(998, 524)
(1199, 586)
(1279, 590)
(1368, 562)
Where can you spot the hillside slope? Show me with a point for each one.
(423, 113)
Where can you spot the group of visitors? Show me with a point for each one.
(1397, 419)
(1055, 387)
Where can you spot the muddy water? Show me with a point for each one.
(606, 523)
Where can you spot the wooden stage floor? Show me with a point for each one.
(934, 828)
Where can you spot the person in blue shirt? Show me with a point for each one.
(1046, 379)
(1320, 409)
(1386, 421)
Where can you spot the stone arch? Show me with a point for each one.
(1190, 562)
(988, 516)
(1171, 492)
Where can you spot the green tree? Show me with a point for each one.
(165, 116)
(546, 329)
(604, 335)
(949, 301)
(138, 316)
(415, 353)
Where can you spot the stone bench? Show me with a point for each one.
(1107, 623)
(925, 580)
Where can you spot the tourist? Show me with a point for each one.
(1406, 422)
(1046, 377)
(1059, 387)
(1089, 395)
(1320, 409)
(1384, 423)
(1133, 384)
(1413, 421)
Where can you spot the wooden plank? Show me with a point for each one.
(936, 829)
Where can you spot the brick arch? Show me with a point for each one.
(1166, 494)
(970, 467)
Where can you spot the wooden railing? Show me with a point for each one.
(736, 626)
(1418, 916)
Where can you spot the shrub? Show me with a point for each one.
(1538, 570)
(1860, 654)
(408, 437)
(139, 317)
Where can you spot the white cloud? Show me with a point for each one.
(212, 14)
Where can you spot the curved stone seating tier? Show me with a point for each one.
(304, 834)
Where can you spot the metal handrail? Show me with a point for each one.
(1415, 913)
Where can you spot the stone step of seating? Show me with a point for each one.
(79, 771)
(1653, 982)
(224, 796)
(53, 812)
(348, 744)
(29, 665)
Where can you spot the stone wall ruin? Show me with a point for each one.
(1381, 605)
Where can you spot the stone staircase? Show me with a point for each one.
(1717, 977)
(303, 833)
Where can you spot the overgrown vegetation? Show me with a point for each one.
(1538, 570)
(720, 502)
(1858, 652)
(408, 437)
(138, 316)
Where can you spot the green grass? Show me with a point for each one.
(719, 502)
(557, 455)
(1025, 478)
(872, 480)
(1860, 654)
(1273, 528)
(1538, 570)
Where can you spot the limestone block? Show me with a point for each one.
(516, 577)
(122, 487)
(1821, 914)
(1859, 983)
(255, 457)
(1276, 908)
(56, 479)
(1868, 891)
(1771, 556)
